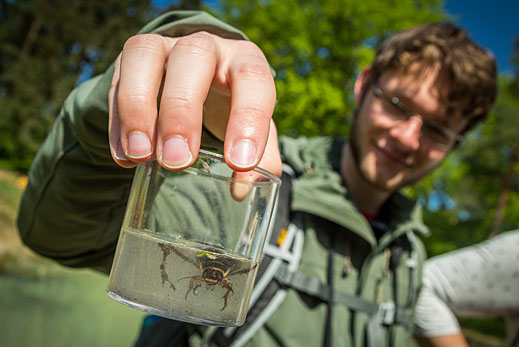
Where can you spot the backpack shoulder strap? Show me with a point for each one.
(389, 313)
(283, 249)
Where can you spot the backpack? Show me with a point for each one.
(276, 274)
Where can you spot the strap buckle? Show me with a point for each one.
(386, 313)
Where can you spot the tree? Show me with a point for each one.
(317, 48)
(48, 47)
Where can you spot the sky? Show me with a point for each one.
(492, 24)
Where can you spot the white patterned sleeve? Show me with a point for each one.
(477, 281)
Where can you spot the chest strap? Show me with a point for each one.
(384, 314)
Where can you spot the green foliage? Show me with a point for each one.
(47, 47)
(491, 326)
(317, 48)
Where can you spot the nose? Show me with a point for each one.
(408, 133)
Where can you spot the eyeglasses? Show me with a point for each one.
(435, 135)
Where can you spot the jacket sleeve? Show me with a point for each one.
(73, 206)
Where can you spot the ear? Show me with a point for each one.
(359, 83)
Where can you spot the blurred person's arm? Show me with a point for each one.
(477, 281)
(435, 323)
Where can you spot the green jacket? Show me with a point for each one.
(74, 203)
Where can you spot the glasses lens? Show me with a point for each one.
(436, 135)
(392, 106)
(431, 132)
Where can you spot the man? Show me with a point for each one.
(360, 264)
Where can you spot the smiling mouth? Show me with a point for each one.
(395, 158)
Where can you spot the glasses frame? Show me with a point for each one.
(456, 139)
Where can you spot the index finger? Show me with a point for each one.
(140, 76)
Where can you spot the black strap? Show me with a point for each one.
(281, 222)
(283, 214)
(163, 332)
(329, 312)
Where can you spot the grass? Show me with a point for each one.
(15, 259)
(12, 253)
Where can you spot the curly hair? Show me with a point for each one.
(467, 72)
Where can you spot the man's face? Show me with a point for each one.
(393, 150)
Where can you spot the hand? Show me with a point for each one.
(163, 90)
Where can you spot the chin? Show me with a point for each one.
(387, 184)
(377, 179)
(376, 174)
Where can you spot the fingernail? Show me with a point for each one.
(119, 153)
(139, 146)
(243, 154)
(175, 153)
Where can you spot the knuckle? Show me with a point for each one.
(254, 113)
(255, 64)
(178, 103)
(199, 41)
(143, 42)
(254, 70)
(130, 101)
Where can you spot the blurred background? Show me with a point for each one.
(317, 48)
